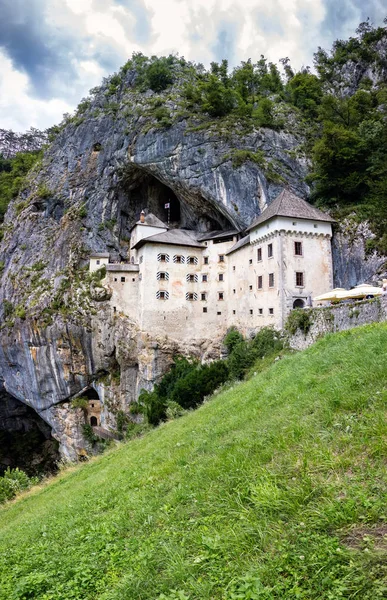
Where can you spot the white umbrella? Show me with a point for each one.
(332, 295)
(359, 291)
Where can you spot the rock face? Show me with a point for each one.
(58, 336)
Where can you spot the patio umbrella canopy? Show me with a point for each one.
(328, 296)
(362, 290)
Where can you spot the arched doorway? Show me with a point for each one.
(93, 421)
(298, 303)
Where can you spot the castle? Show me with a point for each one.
(189, 285)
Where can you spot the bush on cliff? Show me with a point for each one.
(13, 482)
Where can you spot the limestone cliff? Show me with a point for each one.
(58, 336)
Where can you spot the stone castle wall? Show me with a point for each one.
(339, 318)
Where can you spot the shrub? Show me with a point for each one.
(13, 482)
(233, 337)
(298, 319)
(267, 341)
(7, 308)
(154, 407)
(80, 402)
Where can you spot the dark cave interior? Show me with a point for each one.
(144, 191)
(25, 439)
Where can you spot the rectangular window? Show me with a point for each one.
(206, 260)
(299, 279)
(221, 257)
(251, 311)
(270, 250)
(122, 279)
(204, 308)
(260, 282)
(177, 259)
(233, 291)
(220, 295)
(98, 262)
(192, 260)
(250, 288)
(233, 268)
(115, 279)
(161, 275)
(203, 296)
(250, 261)
(218, 313)
(259, 254)
(190, 277)
(298, 248)
(260, 311)
(163, 257)
(234, 312)
(205, 277)
(162, 296)
(221, 277)
(271, 311)
(271, 279)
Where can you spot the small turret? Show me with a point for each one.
(142, 216)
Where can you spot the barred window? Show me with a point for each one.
(203, 296)
(192, 277)
(260, 282)
(191, 296)
(122, 279)
(298, 248)
(260, 311)
(162, 295)
(221, 277)
(163, 276)
(221, 257)
(204, 277)
(163, 257)
(271, 311)
(205, 259)
(178, 259)
(192, 260)
(259, 254)
(220, 296)
(271, 279)
(270, 250)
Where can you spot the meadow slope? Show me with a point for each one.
(274, 489)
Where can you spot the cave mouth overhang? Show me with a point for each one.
(139, 188)
(26, 439)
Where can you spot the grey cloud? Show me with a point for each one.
(226, 41)
(342, 17)
(143, 31)
(34, 47)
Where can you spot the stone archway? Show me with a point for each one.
(299, 303)
(93, 421)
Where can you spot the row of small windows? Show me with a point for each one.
(192, 296)
(190, 260)
(270, 251)
(299, 280)
(192, 277)
(260, 311)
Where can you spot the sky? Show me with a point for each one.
(52, 52)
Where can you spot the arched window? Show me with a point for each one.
(298, 303)
(163, 276)
(93, 421)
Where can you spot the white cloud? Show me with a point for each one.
(17, 109)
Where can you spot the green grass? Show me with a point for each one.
(275, 489)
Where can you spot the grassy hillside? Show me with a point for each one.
(276, 489)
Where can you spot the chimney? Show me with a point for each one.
(142, 217)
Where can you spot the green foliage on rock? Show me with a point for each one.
(298, 319)
(12, 176)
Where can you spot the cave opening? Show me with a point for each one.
(139, 191)
(25, 439)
